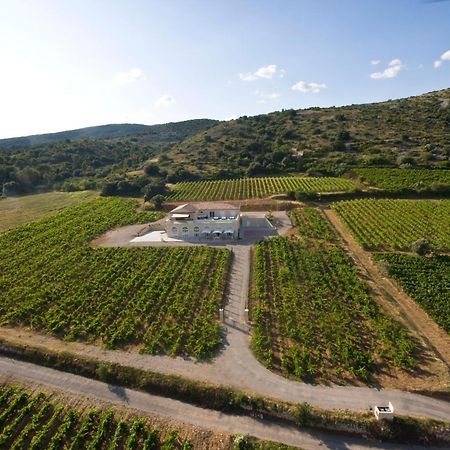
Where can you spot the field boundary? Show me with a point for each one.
(403, 307)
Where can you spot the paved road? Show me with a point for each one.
(183, 412)
(238, 285)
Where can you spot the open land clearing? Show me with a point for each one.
(15, 211)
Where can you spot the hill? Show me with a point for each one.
(62, 160)
(169, 132)
(408, 132)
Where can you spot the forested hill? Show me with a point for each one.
(168, 132)
(71, 163)
(413, 131)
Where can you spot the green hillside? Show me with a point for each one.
(408, 132)
(73, 163)
(168, 132)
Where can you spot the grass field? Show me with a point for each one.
(162, 299)
(398, 179)
(384, 224)
(244, 188)
(16, 211)
(313, 317)
(426, 280)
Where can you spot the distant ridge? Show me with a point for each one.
(165, 132)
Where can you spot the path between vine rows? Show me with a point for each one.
(401, 305)
(236, 366)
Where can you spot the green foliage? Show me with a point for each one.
(311, 223)
(158, 200)
(165, 299)
(38, 423)
(401, 179)
(318, 315)
(303, 414)
(426, 280)
(421, 247)
(83, 159)
(396, 224)
(338, 138)
(243, 188)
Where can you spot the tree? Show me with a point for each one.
(158, 200)
(153, 189)
(151, 169)
(10, 188)
(421, 247)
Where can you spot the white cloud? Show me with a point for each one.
(164, 101)
(391, 71)
(444, 57)
(134, 74)
(375, 62)
(267, 72)
(264, 97)
(312, 87)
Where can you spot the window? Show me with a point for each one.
(185, 230)
(174, 230)
(196, 229)
(211, 214)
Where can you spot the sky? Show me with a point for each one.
(68, 64)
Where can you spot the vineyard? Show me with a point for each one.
(313, 318)
(33, 421)
(165, 300)
(398, 179)
(395, 224)
(426, 280)
(244, 188)
(311, 223)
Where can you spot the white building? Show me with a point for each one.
(384, 412)
(208, 220)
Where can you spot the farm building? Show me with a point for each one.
(208, 220)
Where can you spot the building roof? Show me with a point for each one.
(203, 206)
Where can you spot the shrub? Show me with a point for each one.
(303, 414)
(421, 247)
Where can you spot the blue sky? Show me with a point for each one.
(69, 64)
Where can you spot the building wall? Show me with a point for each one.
(194, 228)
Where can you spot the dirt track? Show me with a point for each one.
(400, 305)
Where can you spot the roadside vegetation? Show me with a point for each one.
(312, 316)
(384, 224)
(165, 300)
(229, 400)
(244, 188)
